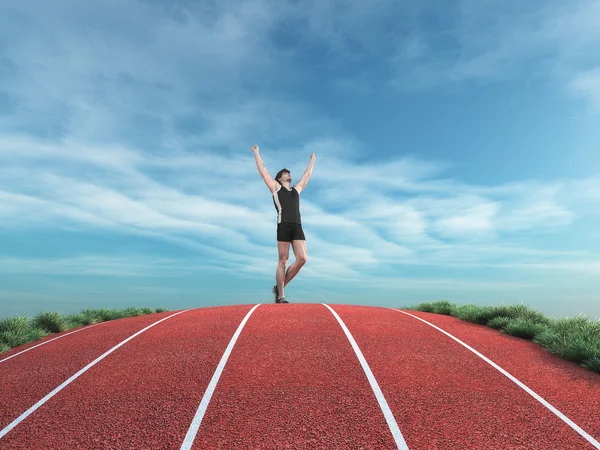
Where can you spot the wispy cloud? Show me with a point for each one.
(121, 193)
(587, 84)
(135, 118)
(496, 41)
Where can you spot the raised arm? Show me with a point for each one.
(306, 175)
(269, 181)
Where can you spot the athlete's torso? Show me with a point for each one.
(287, 205)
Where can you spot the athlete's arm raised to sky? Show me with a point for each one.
(269, 181)
(306, 175)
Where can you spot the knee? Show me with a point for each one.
(302, 260)
(282, 261)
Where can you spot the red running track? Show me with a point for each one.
(293, 380)
(444, 396)
(26, 378)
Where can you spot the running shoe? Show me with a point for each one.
(281, 300)
(276, 292)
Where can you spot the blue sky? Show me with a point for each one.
(457, 152)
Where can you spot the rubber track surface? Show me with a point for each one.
(293, 380)
(445, 397)
(28, 377)
(572, 389)
(144, 395)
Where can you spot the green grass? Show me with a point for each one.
(575, 339)
(19, 330)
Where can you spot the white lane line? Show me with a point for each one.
(50, 340)
(26, 414)
(389, 417)
(564, 418)
(195, 425)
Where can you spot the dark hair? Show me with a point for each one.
(281, 172)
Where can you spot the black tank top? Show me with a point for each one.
(287, 204)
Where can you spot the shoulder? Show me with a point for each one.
(273, 192)
(298, 188)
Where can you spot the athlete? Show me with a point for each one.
(289, 225)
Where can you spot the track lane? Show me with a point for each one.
(143, 395)
(572, 389)
(293, 381)
(16, 351)
(30, 376)
(443, 396)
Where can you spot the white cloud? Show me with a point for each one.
(120, 266)
(587, 84)
(139, 122)
(469, 222)
(232, 220)
(538, 209)
(127, 67)
(498, 40)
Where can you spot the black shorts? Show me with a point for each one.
(288, 231)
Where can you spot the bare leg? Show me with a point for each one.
(284, 254)
(299, 247)
(280, 277)
(293, 270)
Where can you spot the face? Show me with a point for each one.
(285, 177)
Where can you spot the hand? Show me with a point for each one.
(312, 156)
(254, 148)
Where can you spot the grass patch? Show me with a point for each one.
(14, 338)
(523, 327)
(51, 322)
(575, 339)
(104, 314)
(441, 307)
(79, 319)
(20, 330)
(499, 323)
